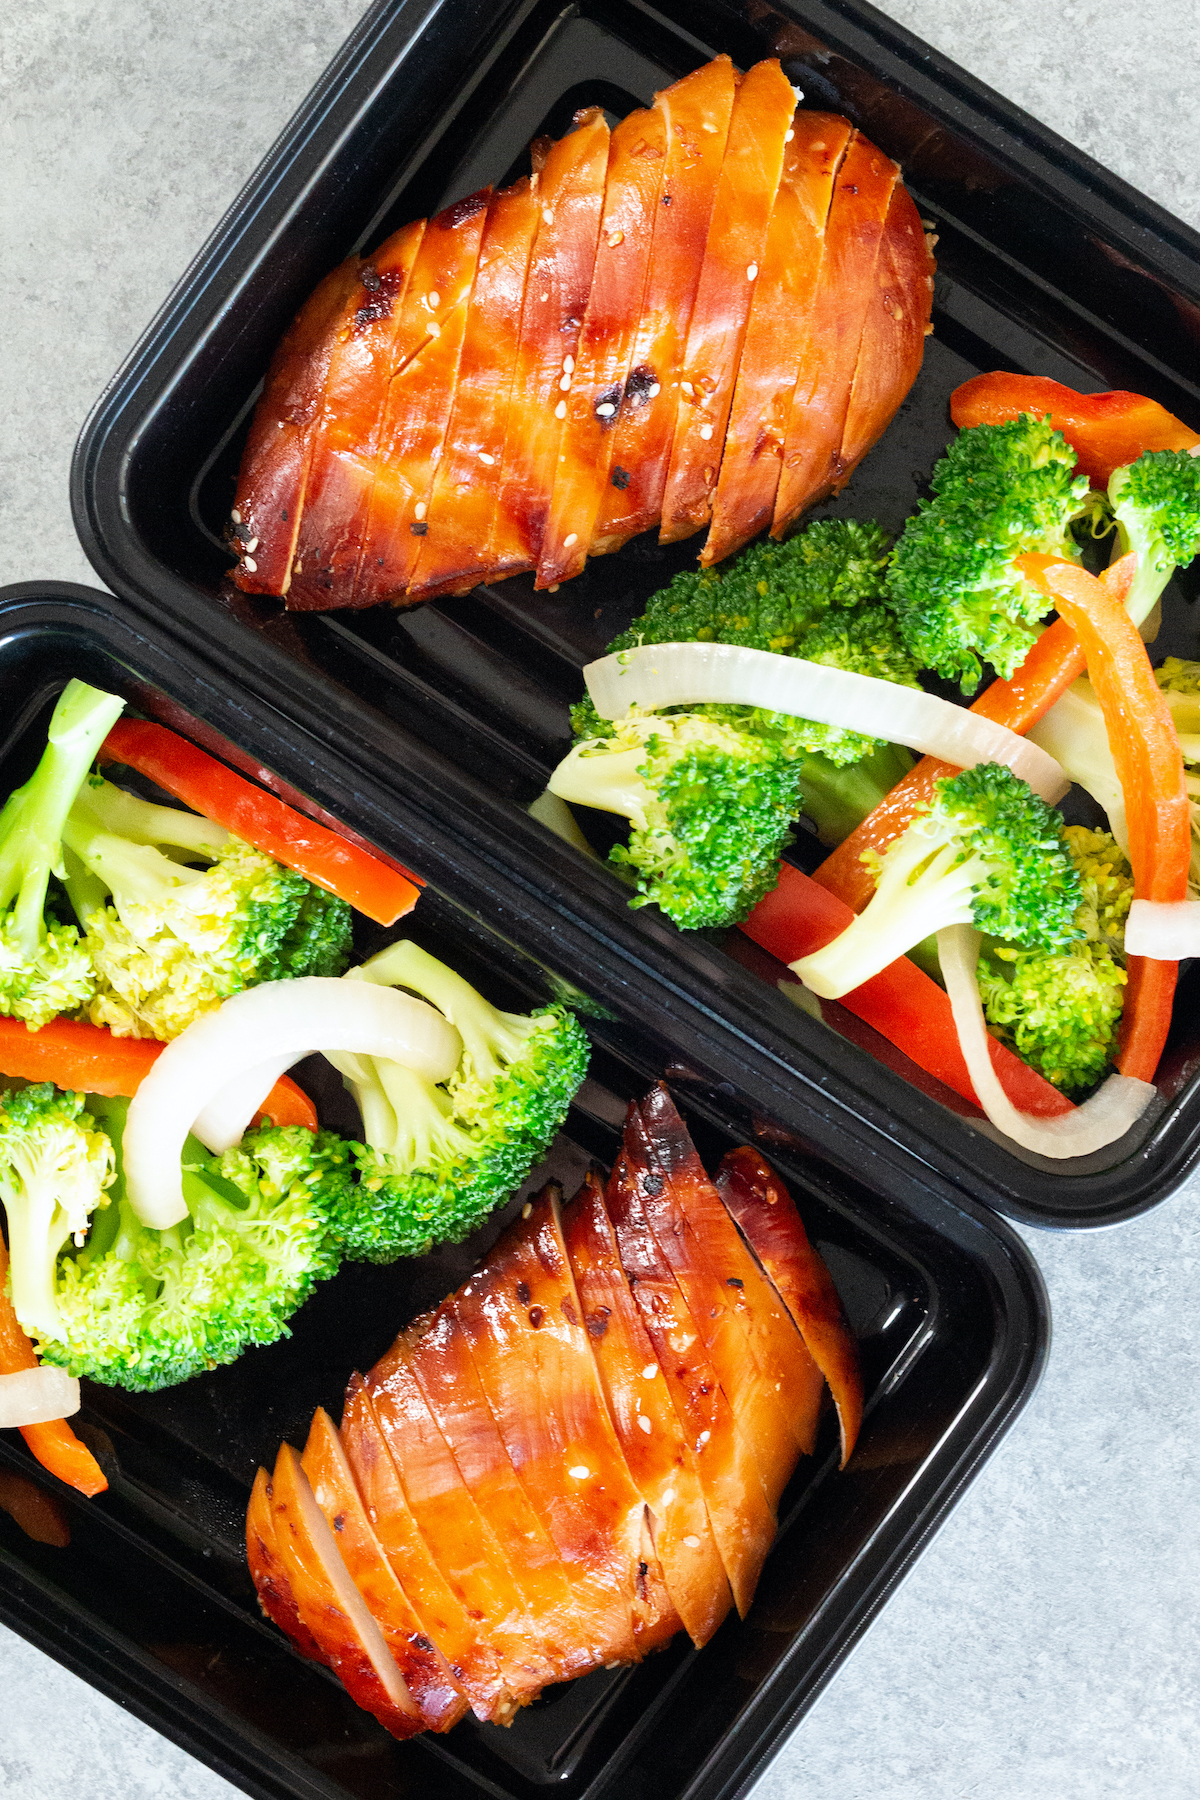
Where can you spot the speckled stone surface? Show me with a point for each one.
(1048, 1643)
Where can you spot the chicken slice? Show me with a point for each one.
(521, 1320)
(734, 253)
(772, 1341)
(436, 1694)
(269, 1575)
(894, 331)
(275, 462)
(346, 440)
(766, 1214)
(812, 464)
(419, 399)
(465, 492)
(632, 191)
(783, 298)
(570, 195)
(441, 1361)
(696, 112)
(761, 1428)
(330, 1605)
(471, 1660)
(460, 1539)
(648, 1427)
(742, 1521)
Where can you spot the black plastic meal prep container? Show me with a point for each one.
(151, 1601)
(1047, 264)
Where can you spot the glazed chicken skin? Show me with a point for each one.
(703, 318)
(577, 1455)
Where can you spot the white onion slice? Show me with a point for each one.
(1075, 734)
(37, 1396)
(1101, 1120)
(658, 675)
(224, 1120)
(1167, 930)
(261, 1025)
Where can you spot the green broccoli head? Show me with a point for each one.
(771, 595)
(144, 1309)
(987, 851)
(55, 1165)
(438, 1159)
(812, 597)
(710, 805)
(1000, 492)
(44, 968)
(1156, 504)
(174, 941)
(1060, 1010)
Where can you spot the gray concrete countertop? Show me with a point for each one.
(1048, 1642)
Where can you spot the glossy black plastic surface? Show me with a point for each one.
(1048, 264)
(151, 1601)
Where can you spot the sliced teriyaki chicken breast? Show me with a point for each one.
(733, 254)
(812, 468)
(331, 1607)
(437, 1696)
(571, 197)
(632, 194)
(265, 520)
(346, 442)
(709, 315)
(574, 1457)
(783, 295)
(696, 112)
(446, 1620)
(660, 1458)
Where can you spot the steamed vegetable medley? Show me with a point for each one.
(955, 896)
(168, 1196)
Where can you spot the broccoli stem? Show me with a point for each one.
(837, 800)
(130, 872)
(142, 822)
(489, 1036)
(922, 887)
(611, 783)
(33, 819)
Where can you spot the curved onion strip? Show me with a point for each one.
(1167, 930)
(248, 1031)
(37, 1396)
(658, 675)
(224, 1119)
(1101, 1120)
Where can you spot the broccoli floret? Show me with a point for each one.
(1000, 492)
(710, 805)
(812, 597)
(144, 1309)
(1156, 504)
(1061, 1010)
(438, 1159)
(45, 969)
(173, 941)
(770, 596)
(986, 851)
(54, 1168)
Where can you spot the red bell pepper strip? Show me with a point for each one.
(1055, 661)
(88, 1059)
(54, 1444)
(902, 1003)
(1106, 431)
(364, 881)
(1145, 749)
